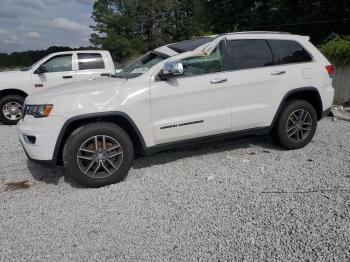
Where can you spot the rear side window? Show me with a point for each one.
(90, 61)
(288, 52)
(245, 54)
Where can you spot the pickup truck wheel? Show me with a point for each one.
(296, 125)
(99, 154)
(11, 107)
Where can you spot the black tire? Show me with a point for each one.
(302, 138)
(78, 139)
(9, 99)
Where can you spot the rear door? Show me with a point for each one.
(56, 71)
(257, 85)
(90, 66)
(299, 64)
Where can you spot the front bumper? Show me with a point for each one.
(46, 132)
(47, 163)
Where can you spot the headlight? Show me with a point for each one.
(38, 111)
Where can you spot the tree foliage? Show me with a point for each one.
(130, 27)
(308, 17)
(337, 50)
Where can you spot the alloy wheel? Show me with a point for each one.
(100, 156)
(299, 125)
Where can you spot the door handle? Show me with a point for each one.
(106, 74)
(219, 80)
(278, 73)
(67, 77)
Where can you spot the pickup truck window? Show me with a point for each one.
(90, 61)
(141, 65)
(61, 63)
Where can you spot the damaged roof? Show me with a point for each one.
(189, 45)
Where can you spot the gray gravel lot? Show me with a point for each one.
(241, 199)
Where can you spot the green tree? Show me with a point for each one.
(129, 27)
(337, 50)
(317, 18)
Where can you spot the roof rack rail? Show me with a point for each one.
(258, 32)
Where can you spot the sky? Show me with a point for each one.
(39, 24)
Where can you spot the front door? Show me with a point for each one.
(196, 104)
(56, 71)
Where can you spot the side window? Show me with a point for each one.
(61, 63)
(200, 65)
(90, 61)
(246, 54)
(288, 52)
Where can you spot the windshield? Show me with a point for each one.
(142, 64)
(30, 67)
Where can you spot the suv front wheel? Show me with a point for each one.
(296, 125)
(98, 154)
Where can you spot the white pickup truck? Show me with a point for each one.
(53, 70)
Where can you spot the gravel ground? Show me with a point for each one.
(240, 199)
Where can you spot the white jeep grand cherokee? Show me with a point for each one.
(231, 84)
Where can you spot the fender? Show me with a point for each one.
(11, 91)
(295, 92)
(69, 126)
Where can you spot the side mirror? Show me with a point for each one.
(41, 70)
(171, 69)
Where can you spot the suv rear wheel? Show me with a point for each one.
(11, 107)
(99, 154)
(296, 125)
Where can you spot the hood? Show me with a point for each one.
(81, 88)
(10, 74)
(4, 73)
(14, 80)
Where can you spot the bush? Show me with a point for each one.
(337, 50)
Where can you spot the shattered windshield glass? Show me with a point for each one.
(141, 65)
(189, 45)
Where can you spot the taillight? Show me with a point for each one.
(330, 70)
